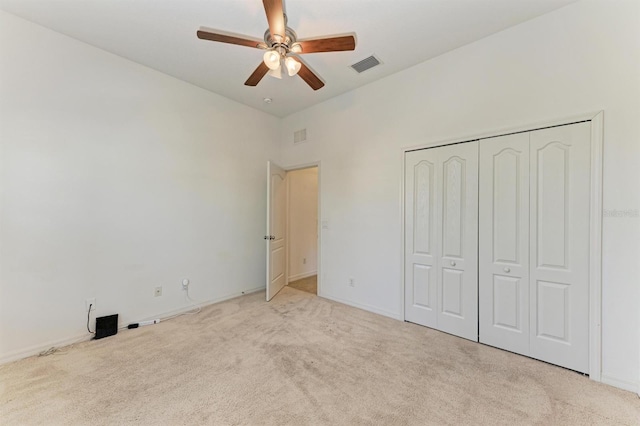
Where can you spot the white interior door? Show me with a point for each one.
(559, 245)
(441, 233)
(504, 243)
(276, 227)
(420, 238)
(457, 273)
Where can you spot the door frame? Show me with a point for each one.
(318, 225)
(595, 217)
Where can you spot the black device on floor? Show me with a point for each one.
(106, 326)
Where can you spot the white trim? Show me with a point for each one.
(59, 343)
(36, 349)
(319, 233)
(365, 307)
(618, 383)
(301, 275)
(595, 249)
(505, 131)
(303, 166)
(287, 227)
(402, 236)
(595, 224)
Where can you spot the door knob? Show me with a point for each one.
(271, 237)
(507, 270)
(453, 263)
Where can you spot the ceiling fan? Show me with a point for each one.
(282, 46)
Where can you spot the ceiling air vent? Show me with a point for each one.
(300, 136)
(366, 64)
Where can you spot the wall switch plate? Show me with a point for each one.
(90, 302)
(158, 292)
(304, 261)
(352, 282)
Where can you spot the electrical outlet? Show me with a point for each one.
(90, 303)
(352, 282)
(185, 284)
(158, 292)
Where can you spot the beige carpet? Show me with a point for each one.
(298, 360)
(309, 284)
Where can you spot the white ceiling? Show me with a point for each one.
(161, 34)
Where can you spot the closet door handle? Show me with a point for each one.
(453, 263)
(507, 270)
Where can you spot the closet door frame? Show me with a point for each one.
(595, 218)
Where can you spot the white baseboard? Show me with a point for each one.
(58, 343)
(300, 276)
(203, 304)
(364, 307)
(622, 384)
(36, 349)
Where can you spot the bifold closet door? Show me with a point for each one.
(504, 242)
(441, 232)
(559, 245)
(534, 244)
(420, 238)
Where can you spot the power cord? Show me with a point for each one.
(61, 351)
(54, 350)
(194, 304)
(89, 316)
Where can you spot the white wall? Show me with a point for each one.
(302, 222)
(581, 58)
(116, 179)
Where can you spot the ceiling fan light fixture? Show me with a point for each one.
(282, 47)
(292, 65)
(272, 59)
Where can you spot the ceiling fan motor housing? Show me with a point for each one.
(287, 45)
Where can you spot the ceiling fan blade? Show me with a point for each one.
(224, 37)
(257, 75)
(309, 76)
(327, 44)
(275, 17)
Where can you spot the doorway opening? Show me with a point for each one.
(302, 229)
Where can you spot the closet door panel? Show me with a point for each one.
(420, 239)
(453, 292)
(504, 242)
(453, 201)
(559, 245)
(457, 203)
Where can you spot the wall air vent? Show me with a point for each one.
(366, 64)
(300, 136)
